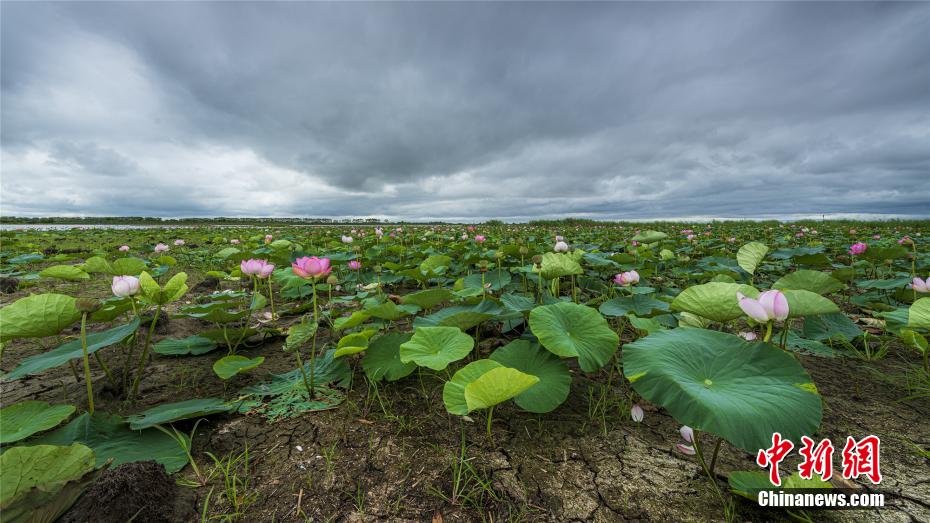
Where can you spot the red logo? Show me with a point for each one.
(860, 458)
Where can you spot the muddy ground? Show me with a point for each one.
(395, 455)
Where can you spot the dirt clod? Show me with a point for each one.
(140, 491)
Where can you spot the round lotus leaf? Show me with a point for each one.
(436, 347)
(571, 330)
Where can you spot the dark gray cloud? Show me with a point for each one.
(463, 110)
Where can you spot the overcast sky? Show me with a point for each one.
(465, 111)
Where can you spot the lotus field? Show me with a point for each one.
(553, 371)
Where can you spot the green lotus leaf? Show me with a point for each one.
(571, 330)
(72, 350)
(806, 303)
(351, 344)
(171, 412)
(21, 420)
(918, 315)
(835, 325)
(96, 264)
(649, 236)
(715, 301)
(300, 334)
(497, 386)
(382, 359)
(111, 438)
(719, 383)
(497, 279)
(193, 345)
(37, 316)
(639, 304)
(228, 366)
(555, 381)
(453, 392)
(462, 316)
(64, 272)
(427, 299)
(42, 482)
(327, 371)
(750, 256)
(436, 347)
(128, 266)
(347, 322)
(556, 265)
(808, 280)
(435, 265)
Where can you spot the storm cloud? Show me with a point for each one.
(464, 110)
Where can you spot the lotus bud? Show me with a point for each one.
(636, 412)
(921, 285)
(524, 251)
(125, 286)
(332, 279)
(687, 433)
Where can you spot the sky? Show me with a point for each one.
(465, 111)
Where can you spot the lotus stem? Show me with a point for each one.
(316, 322)
(87, 380)
(145, 354)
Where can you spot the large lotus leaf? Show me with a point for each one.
(453, 392)
(435, 265)
(918, 315)
(750, 255)
(65, 272)
(37, 316)
(390, 311)
(497, 279)
(300, 334)
(436, 347)
(497, 386)
(428, 298)
(226, 253)
(638, 304)
(887, 285)
(382, 359)
(808, 280)
(228, 366)
(128, 266)
(556, 265)
(885, 253)
(328, 371)
(830, 326)
(110, 309)
(748, 483)
(96, 264)
(193, 345)
(72, 350)
(462, 316)
(21, 420)
(649, 236)
(42, 482)
(347, 322)
(111, 438)
(806, 303)
(170, 412)
(555, 381)
(570, 330)
(715, 300)
(351, 344)
(172, 291)
(720, 383)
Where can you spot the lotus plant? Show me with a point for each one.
(921, 286)
(313, 269)
(160, 248)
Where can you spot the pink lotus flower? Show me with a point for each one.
(731, 239)
(559, 239)
(690, 237)
(464, 235)
(687, 433)
(921, 285)
(771, 305)
(471, 228)
(355, 265)
(876, 236)
(905, 239)
(123, 286)
(686, 231)
(635, 243)
(857, 248)
(161, 247)
(685, 449)
(268, 238)
(479, 238)
(124, 248)
(748, 336)
(626, 279)
(311, 267)
(179, 242)
(637, 413)
(347, 239)
(234, 241)
(799, 235)
(260, 268)
(379, 233)
(560, 246)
